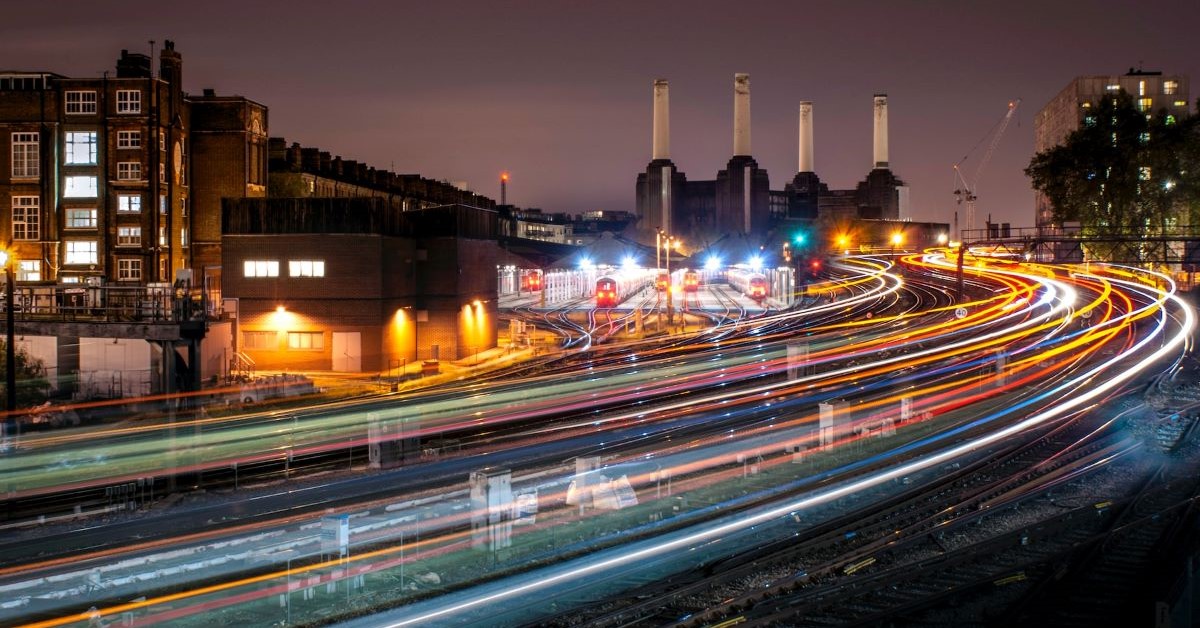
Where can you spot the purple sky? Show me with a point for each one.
(558, 92)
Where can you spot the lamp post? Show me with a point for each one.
(10, 352)
(897, 239)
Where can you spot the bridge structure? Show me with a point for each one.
(172, 318)
(1177, 250)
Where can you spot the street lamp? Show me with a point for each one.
(10, 352)
(897, 239)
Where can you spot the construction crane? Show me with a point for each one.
(964, 190)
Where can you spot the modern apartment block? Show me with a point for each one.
(1151, 91)
(118, 178)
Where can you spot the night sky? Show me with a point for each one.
(559, 93)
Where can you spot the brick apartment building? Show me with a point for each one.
(118, 179)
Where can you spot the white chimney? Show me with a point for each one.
(806, 137)
(662, 123)
(881, 132)
(741, 114)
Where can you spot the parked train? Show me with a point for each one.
(748, 282)
(614, 288)
(691, 281)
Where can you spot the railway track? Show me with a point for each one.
(869, 540)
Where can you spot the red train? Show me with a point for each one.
(608, 292)
(691, 281)
(748, 282)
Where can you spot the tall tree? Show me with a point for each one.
(1123, 170)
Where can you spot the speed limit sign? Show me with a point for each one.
(960, 312)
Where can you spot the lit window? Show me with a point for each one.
(129, 101)
(1144, 173)
(1143, 137)
(183, 237)
(129, 139)
(162, 173)
(1089, 120)
(162, 235)
(81, 148)
(129, 269)
(129, 203)
(260, 268)
(162, 205)
(81, 252)
(260, 340)
(1144, 104)
(29, 270)
(306, 340)
(26, 218)
(81, 218)
(1170, 87)
(25, 156)
(306, 268)
(129, 170)
(129, 236)
(1180, 103)
(1113, 87)
(81, 102)
(68, 278)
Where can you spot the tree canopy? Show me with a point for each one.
(1124, 170)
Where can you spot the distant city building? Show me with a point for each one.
(1151, 91)
(305, 172)
(119, 178)
(740, 201)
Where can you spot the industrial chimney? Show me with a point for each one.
(881, 132)
(662, 122)
(806, 137)
(741, 115)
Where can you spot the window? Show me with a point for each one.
(129, 139)
(26, 218)
(162, 173)
(129, 203)
(129, 236)
(81, 102)
(129, 170)
(260, 340)
(162, 142)
(25, 156)
(81, 148)
(1180, 103)
(260, 268)
(68, 278)
(1144, 173)
(1112, 87)
(129, 101)
(183, 235)
(129, 269)
(1089, 120)
(1170, 87)
(306, 268)
(162, 205)
(162, 235)
(29, 270)
(81, 218)
(306, 340)
(81, 252)
(1144, 104)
